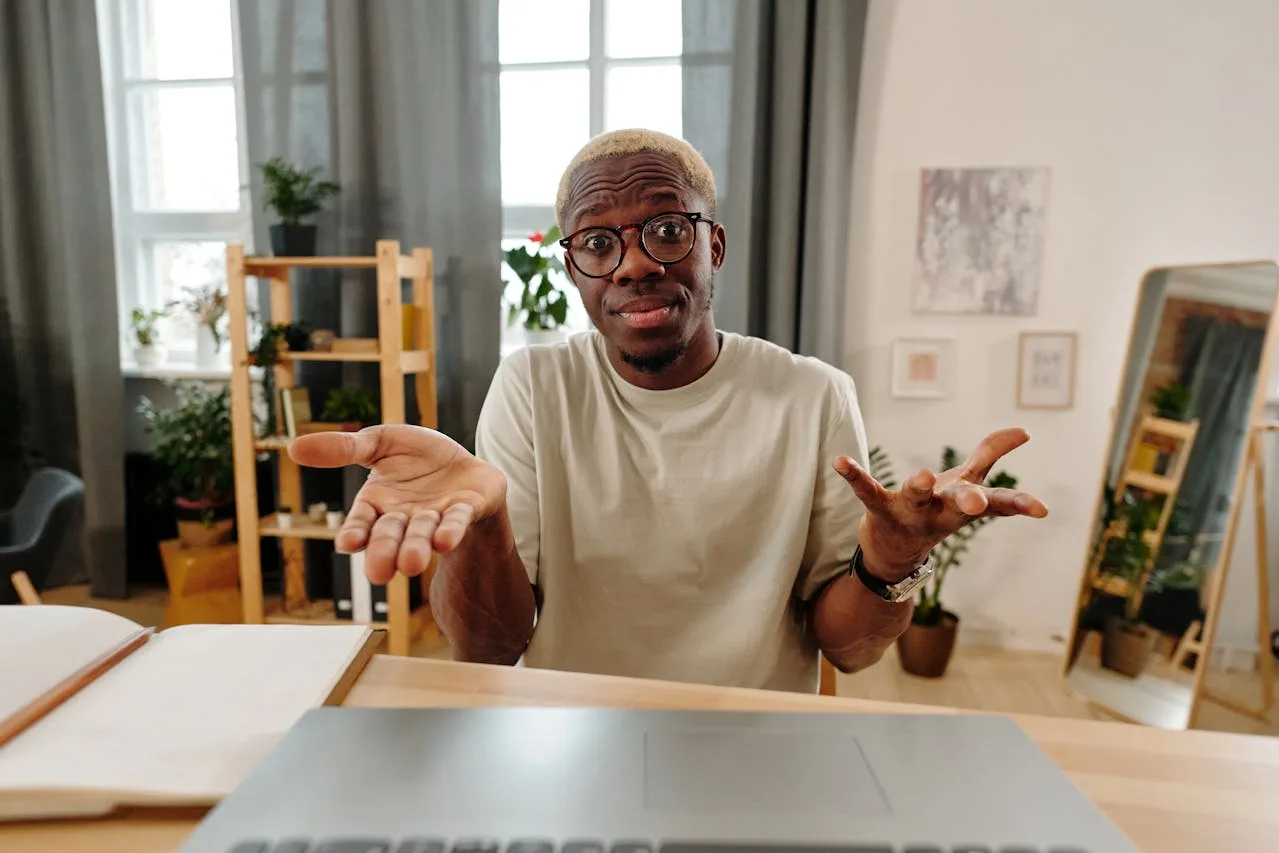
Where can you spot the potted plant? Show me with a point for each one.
(351, 409)
(276, 338)
(926, 646)
(193, 442)
(294, 194)
(1172, 401)
(145, 326)
(207, 305)
(1127, 642)
(541, 307)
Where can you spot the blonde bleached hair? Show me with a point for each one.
(621, 143)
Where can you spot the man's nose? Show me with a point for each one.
(636, 265)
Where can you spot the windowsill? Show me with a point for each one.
(181, 370)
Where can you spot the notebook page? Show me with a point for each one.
(41, 645)
(184, 719)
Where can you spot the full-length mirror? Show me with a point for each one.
(1186, 434)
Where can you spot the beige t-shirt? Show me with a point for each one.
(676, 534)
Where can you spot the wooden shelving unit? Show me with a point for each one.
(396, 363)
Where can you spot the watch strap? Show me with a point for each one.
(893, 592)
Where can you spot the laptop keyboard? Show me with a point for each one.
(430, 845)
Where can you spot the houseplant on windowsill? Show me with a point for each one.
(207, 306)
(541, 307)
(926, 647)
(145, 327)
(295, 195)
(192, 440)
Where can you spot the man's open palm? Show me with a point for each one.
(901, 527)
(423, 491)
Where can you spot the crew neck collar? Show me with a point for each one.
(675, 397)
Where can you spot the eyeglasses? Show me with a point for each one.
(666, 238)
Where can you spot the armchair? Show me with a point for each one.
(32, 532)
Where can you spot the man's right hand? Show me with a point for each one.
(423, 492)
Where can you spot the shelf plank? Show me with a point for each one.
(322, 613)
(1179, 430)
(1150, 482)
(266, 266)
(272, 442)
(331, 356)
(299, 529)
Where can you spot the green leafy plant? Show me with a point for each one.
(1127, 555)
(350, 405)
(193, 442)
(266, 353)
(541, 305)
(1172, 401)
(145, 326)
(294, 193)
(207, 304)
(949, 553)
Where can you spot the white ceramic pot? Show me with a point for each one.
(206, 347)
(532, 337)
(333, 519)
(149, 356)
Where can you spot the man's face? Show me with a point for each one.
(648, 309)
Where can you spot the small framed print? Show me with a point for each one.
(923, 368)
(1046, 370)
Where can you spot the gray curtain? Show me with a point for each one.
(59, 339)
(398, 102)
(779, 134)
(1220, 369)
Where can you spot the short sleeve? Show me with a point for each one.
(504, 439)
(836, 512)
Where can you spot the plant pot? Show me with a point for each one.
(333, 519)
(152, 355)
(1126, 647)
(292, 241)
(925, 650)
(206, 347)
(204, 524)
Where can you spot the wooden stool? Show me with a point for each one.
(203, 583)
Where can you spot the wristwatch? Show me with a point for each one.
(894, 592)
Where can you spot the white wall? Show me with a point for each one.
(1160, 123)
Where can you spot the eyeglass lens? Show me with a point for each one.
(666, 239)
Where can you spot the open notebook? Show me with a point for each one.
(179, 721)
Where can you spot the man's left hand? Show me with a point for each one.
(901, 527)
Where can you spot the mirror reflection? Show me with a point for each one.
(1190, 405)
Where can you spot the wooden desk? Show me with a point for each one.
(1170, 791)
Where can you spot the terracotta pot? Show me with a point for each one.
(1126, 648)
(925, 650)
(204, 524)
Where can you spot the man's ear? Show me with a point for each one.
(719, 245)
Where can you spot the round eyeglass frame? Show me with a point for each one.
(620, 230)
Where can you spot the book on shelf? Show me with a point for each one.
(98, 712)
(295, 406)
(357, 599)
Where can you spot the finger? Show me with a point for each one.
(1004, 502)
(416, 550)
(354, 534)
(994, 446)
(965, 498)
(453, 524)
(918, 490)
(336, 449)
(384, 546)
(868, 491)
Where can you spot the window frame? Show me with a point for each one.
(121, 44)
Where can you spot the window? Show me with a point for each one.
(179, 186)
(592, 66)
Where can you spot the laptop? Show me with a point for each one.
(586, 780)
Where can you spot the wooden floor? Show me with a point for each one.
(984, 679)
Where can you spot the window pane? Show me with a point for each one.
(173, 269)
(185, 39)
(545, 119)
(647, 96)
(648, 28)
(188, 154)
(536, 31)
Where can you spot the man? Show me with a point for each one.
(656, 498)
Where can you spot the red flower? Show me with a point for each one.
(537, 236)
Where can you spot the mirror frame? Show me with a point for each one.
(1222, 566)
